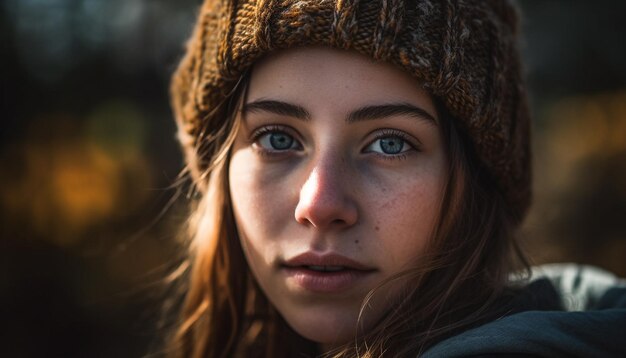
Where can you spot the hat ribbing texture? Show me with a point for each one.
(463, 52)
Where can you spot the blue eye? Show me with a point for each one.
(389, 145)
(277, 141)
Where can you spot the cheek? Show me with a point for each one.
(406, 216)
(259, 200)
(250, 200)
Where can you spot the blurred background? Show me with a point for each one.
(88, 161)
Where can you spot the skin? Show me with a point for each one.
(335, 188)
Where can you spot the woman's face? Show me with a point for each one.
(336, 179)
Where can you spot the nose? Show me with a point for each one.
(324, 202)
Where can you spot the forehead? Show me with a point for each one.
(315, 77)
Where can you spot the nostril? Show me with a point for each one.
(303, 221)
(338, 222)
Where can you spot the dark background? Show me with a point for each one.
(89, 162)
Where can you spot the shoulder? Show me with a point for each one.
(583, 287)
(565, 310)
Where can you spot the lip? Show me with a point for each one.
(298, 274)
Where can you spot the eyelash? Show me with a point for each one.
(258, 133)
(380, 134)
(388, 132)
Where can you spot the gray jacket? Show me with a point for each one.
(586, 318)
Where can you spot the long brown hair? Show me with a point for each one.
(461, 282)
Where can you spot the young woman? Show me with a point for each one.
(362, 168)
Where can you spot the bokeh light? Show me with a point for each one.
(580, 182)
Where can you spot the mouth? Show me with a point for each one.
(324, 268)
(326, 262)
(329, 273)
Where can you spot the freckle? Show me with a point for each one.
(376, 228)
(356, 241)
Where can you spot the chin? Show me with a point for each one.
(324, 334)
(324, 327)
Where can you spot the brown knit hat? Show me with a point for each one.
(462, 51)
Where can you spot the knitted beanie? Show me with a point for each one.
(461, 51)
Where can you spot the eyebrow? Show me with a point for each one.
(360, 114)
(389, 110)
(277, 107)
